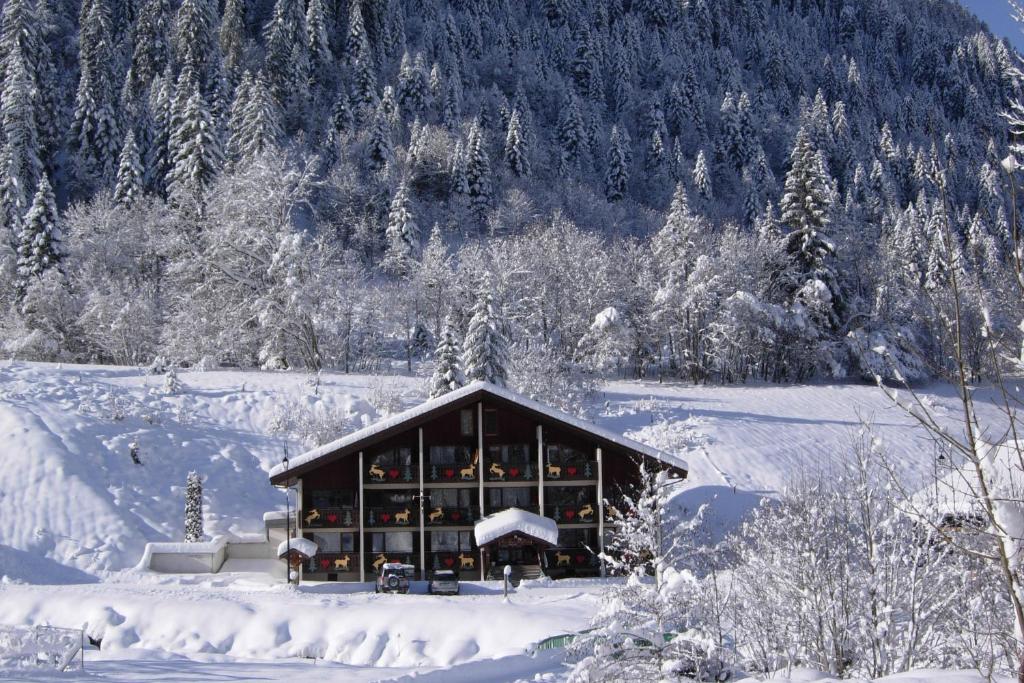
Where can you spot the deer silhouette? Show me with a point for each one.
(586, 511)
(379, 562)
(342, 563)
(561, 560)
(554, 471)
(436, 515)
(470, 472)
(313, 515)
(497, 471)
(377, 472)
(402, 517)
(466, 561)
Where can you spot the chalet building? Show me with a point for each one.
(481, 462)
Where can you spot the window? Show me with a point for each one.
(564, 495)
(509, 454)
(451, 498)
(348, 543)
(466, 421)
(577, 538)
(332, 499)
(448, 455)
(328, 543)
(490, 422)
(519, 497)
(400, 542)
(393, 457)
(450, 541)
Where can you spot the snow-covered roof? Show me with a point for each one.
(299, 545)
(462, 393)
(502, 523)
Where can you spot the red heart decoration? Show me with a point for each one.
(569, 514)
(332, 518)
(449, 473)
(449, 561)
(455, 515)
(513, 471)
(385, 517)
(325, 563)
(580, 558)
(571, 471)
(393, 473)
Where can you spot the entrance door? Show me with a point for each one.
(525, 554)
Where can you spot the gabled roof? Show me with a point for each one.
(515, 520)
(469, 394)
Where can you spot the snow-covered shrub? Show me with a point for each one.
(310, 424)
(385, 396)
(543, 374)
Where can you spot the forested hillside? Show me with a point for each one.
(711, 189)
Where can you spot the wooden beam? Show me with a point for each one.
(480, 468)
(600, 506)
(423, 534)
(362, 541)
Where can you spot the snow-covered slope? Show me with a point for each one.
(70, 492)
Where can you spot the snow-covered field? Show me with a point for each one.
(76, 513)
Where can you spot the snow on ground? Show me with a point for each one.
(76, 509)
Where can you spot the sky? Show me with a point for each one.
(996, 13)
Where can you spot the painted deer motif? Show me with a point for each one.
(436, 515)
(561, 560)
(466, 561)
(313, 515)
(379, 562)
(342, 563)
(377, 472)
(587, 511)
(470, 472)
(554, 471)
(497, 471)
(402, 517)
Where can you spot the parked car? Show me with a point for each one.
(444, 582)
(394, 578)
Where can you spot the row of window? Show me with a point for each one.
(505, 454)
(437, 541)
(513, 496)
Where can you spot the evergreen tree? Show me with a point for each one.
(39, 245)
(402, 234)
(805, 208)
(196, 150)
(485, 351)
(193, 508)
(379, 148)
(129, 173)
(617, 175)
(94, 130)
(152, 50)
(412, 85)
(17, 121)
(447, 375)
(321, 59)
(516, 147)
(572, 139)
(255, 121)
(195, 43)
(702, 177)
(232, 36)
(287, 62)
(478, 173)
(656, 155)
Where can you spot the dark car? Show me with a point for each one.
(393, 578)
(444, 582)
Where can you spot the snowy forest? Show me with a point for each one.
(710, 190)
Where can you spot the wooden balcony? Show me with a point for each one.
(334, 563)
(450, 516)
(330, 518)
(402, 517)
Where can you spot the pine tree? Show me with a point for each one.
(129, 173)
(447, 375)
(232, 36)
(356, 45)
(701, 177)
(516, 147)
(485, 351)
(195, 45)
(193, 508)
(255, 120)
(94, 129)
(656, 155)
(17, 121)
(39, 247)
(287, 62)
(321, 59)
(478, 173)
(412, 85)
(572, 139)
(379, 148)
(402, 234)
(617, 175)
(152, 50)
(196, 150)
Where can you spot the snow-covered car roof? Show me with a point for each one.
(418, 414)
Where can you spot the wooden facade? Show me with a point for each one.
(411, 492)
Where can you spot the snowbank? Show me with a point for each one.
(508, 521)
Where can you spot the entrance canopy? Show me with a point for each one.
(516, 521)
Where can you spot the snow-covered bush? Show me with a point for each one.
(543, 374)
(309, 424)
(193, 508)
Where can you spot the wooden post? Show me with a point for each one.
(600, 507)
(480, 468)
(423, 535)
(540, 469)
(362, 510)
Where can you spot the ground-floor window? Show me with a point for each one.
(452, 498)
(451, 541)
(397, 542)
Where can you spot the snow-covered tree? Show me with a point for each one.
(129, 185)
(478, 172)
(39, 244)
(447, 375)
(702, 177)
(516, 146)
(485, 349)
(617, 174)
(193, 508)
(195, 148)
(402, 234)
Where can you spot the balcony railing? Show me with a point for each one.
(450, 516)
(374, 561)
(575, 469)
(333, 563)
(575, 513)
(457, 560)
(450, 472)
(511, 471)
(572, 561)
(404, 516)
(390, 474)
(314, 518)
